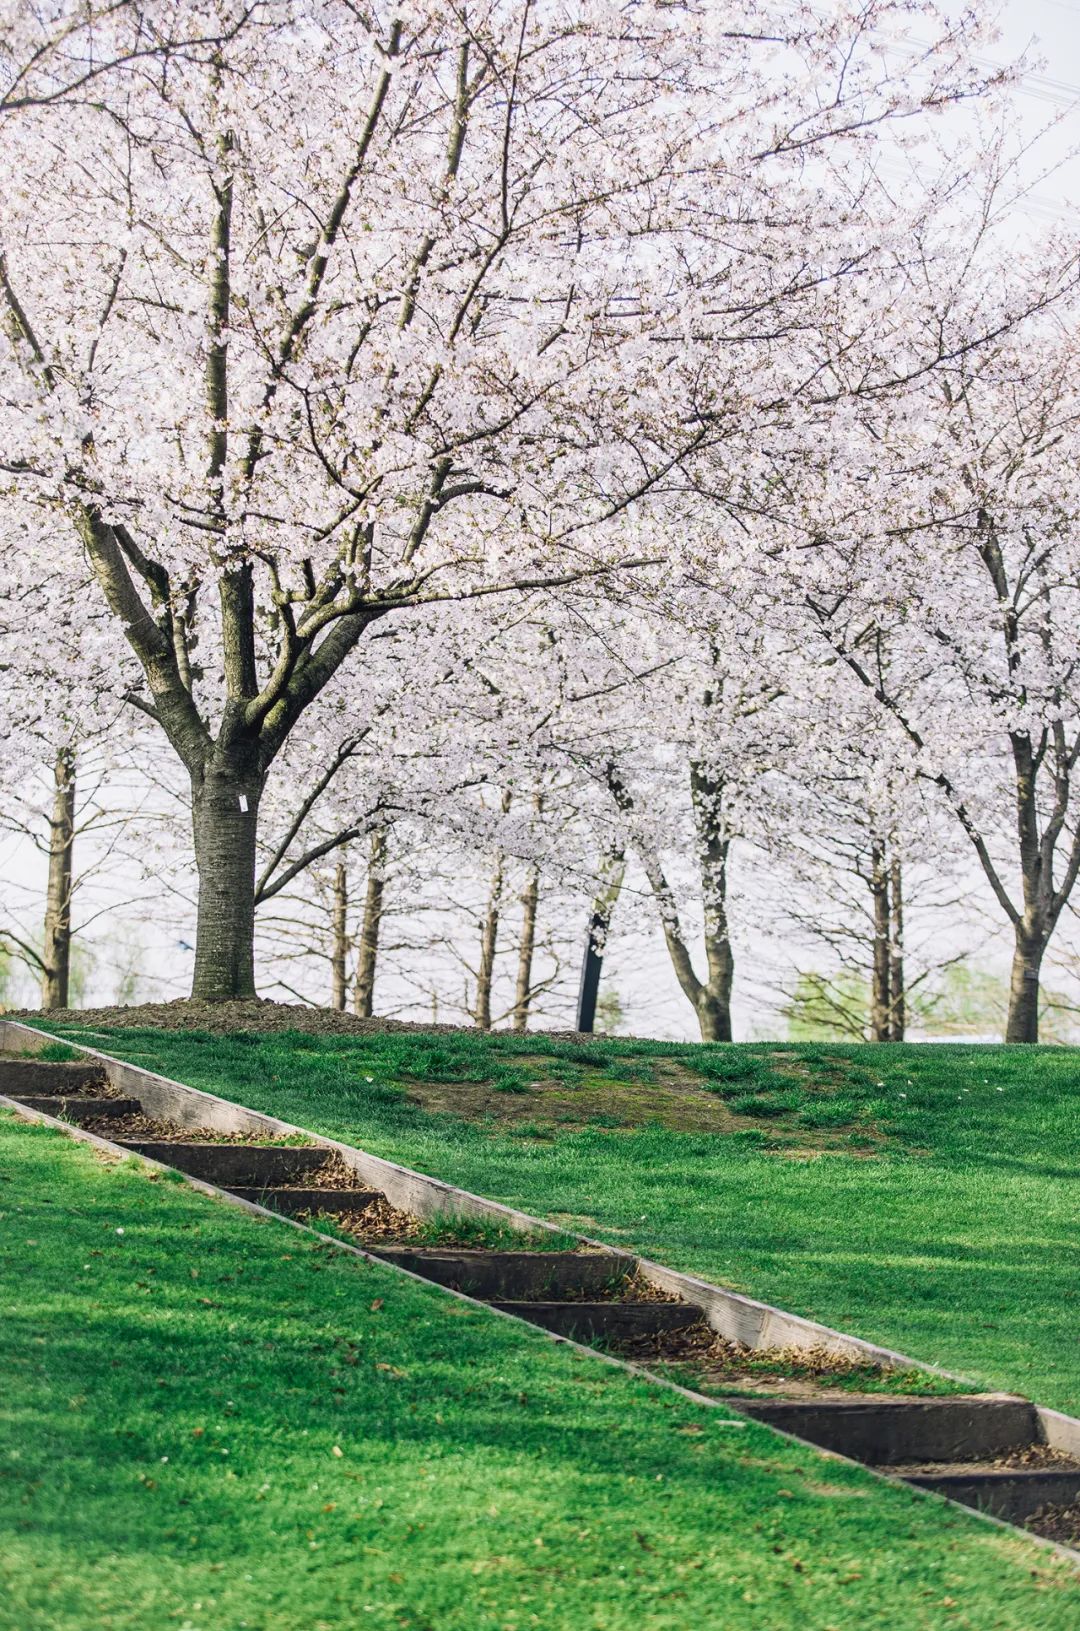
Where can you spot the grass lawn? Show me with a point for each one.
(212, 1424)
(925, 1197)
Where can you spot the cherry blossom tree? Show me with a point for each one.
(958, 616)
(318, 316)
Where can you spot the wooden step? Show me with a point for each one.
(509, 1275)
(79, 1108)
(296, 1199)
(887, 1431)
(227, 1165)
(603, 1321)
(20, 1077)
(1012, 1493)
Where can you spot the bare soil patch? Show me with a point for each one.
(600, 1102)
(251, 1014)
(676, 1100)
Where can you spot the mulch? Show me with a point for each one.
(1060, 1523)
(146, 1128)
(378, 1223)
(334, 1173)
(719, 1360)
(252, 1014)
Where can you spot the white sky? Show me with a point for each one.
(1049, 32)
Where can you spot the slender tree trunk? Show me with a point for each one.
(612, 872)
(225, 811)
(56, 955)
(339, 929)
(530, 898)
(364, 986)
(880, 1007)
(1023, 1021)
(897, 991)
(713, 1001)
(489, 935)
(711, 998)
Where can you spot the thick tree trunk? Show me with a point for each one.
(523, 991)
(225, 810)
(880, 1005)
(713, 1007)
(364, 987)
(339, 932)
(897, 992)
(1023, 1021)
(56, 955)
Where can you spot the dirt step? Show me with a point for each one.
(1012, 1493)
(602, 1322)
(297, 1199)
(509, 1275)
(19, 1077)
(80, 1107)
(228, 1165)
(888, 1431)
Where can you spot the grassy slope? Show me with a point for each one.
(954, 1239)
(178, 1375)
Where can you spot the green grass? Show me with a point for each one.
(54, 1053)
(211, 1423)
(924, 1197)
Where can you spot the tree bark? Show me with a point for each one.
(880, 1005)
(1023, 1021)
(364, 986)
(530, 898)
(225, 810)
(56, 954)
(612, 872)
(339, 930)
(713, 1007)
(897, 992)
(489, 935)
(713, 1001)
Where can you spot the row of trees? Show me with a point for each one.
(552, 428)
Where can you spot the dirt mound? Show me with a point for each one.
(251, 1014)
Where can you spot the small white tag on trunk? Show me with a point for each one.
(243, 801)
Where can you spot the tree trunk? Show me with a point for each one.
(56, 955)
(488, 940)
(1023, 1021)
(225, 811)
(897, 993)
(364, 987)
(612, 872)
(523, 992)
(339, 930)
(712, 1003)
(713, 1007)
(711, 998)
(880, 1008)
